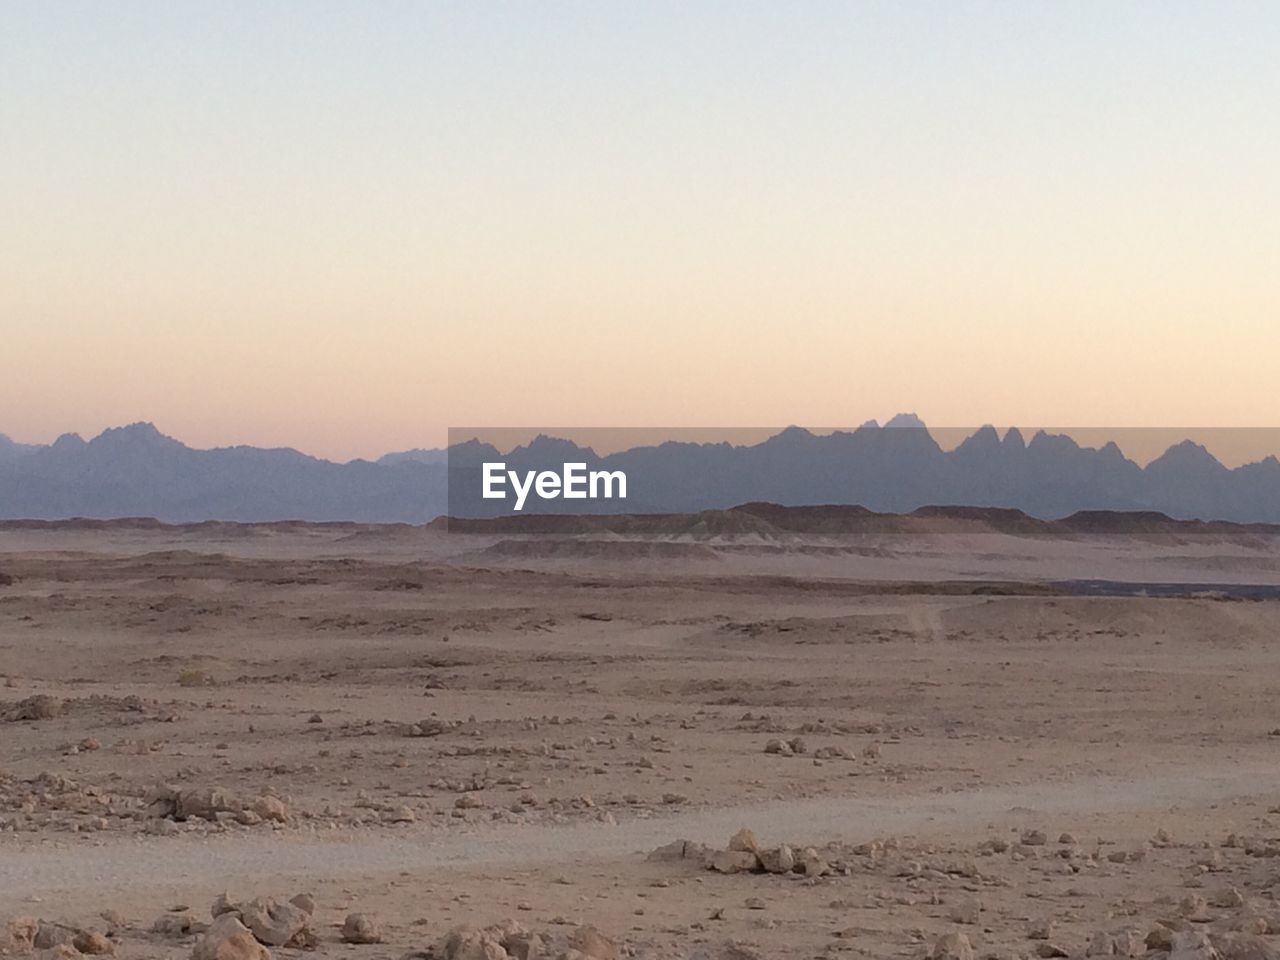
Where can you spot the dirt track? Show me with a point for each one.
(200, 864)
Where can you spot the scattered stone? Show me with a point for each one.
(270, 808)
(668, 851)
(229, 939)
(966, 911)
(114, 919)
(360, 928)
(1229, 899)
(173, 925)
(682, 850)
(834, 753)
(952, 946)
(1194, 908)
(1244, 946)
(465, 943)
(216, 805)
(590, 942)
(1040, 930)
(275, 924)
(1129, 942)
(1102, 944)
(1121, 943)
(38, 707)
(779, 859)
(20, 935)
(733, 950)
(431, 727)
(1192, 945)
(1159, 938)
(732, 861)
(50, 935)
(520, 944)
(1047, 950)
(812, 864)
(204, 804)
(744, 840)
(93, 943)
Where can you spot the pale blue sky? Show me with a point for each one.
(346, 226)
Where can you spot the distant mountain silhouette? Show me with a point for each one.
(10, 449)
(416, 455)
(896, 469)
(136, 471)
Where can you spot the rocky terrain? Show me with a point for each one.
(225, 745)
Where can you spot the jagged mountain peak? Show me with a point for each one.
(790, 435)
(134, 435)
(905, 420)
(983, 441)
(1013, 439)
(11, 448)
(1187, 455)
(1045, 442)
(546, 446)
(415, 455)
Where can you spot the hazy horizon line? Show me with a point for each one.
(1231, 446)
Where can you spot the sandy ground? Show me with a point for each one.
(423, 730)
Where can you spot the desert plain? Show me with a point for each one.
(372, 742)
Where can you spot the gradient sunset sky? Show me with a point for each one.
(346, 226)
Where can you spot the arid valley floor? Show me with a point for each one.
(962, 756)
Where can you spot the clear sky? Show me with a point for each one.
(345, 226)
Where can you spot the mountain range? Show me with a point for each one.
(136, 471)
